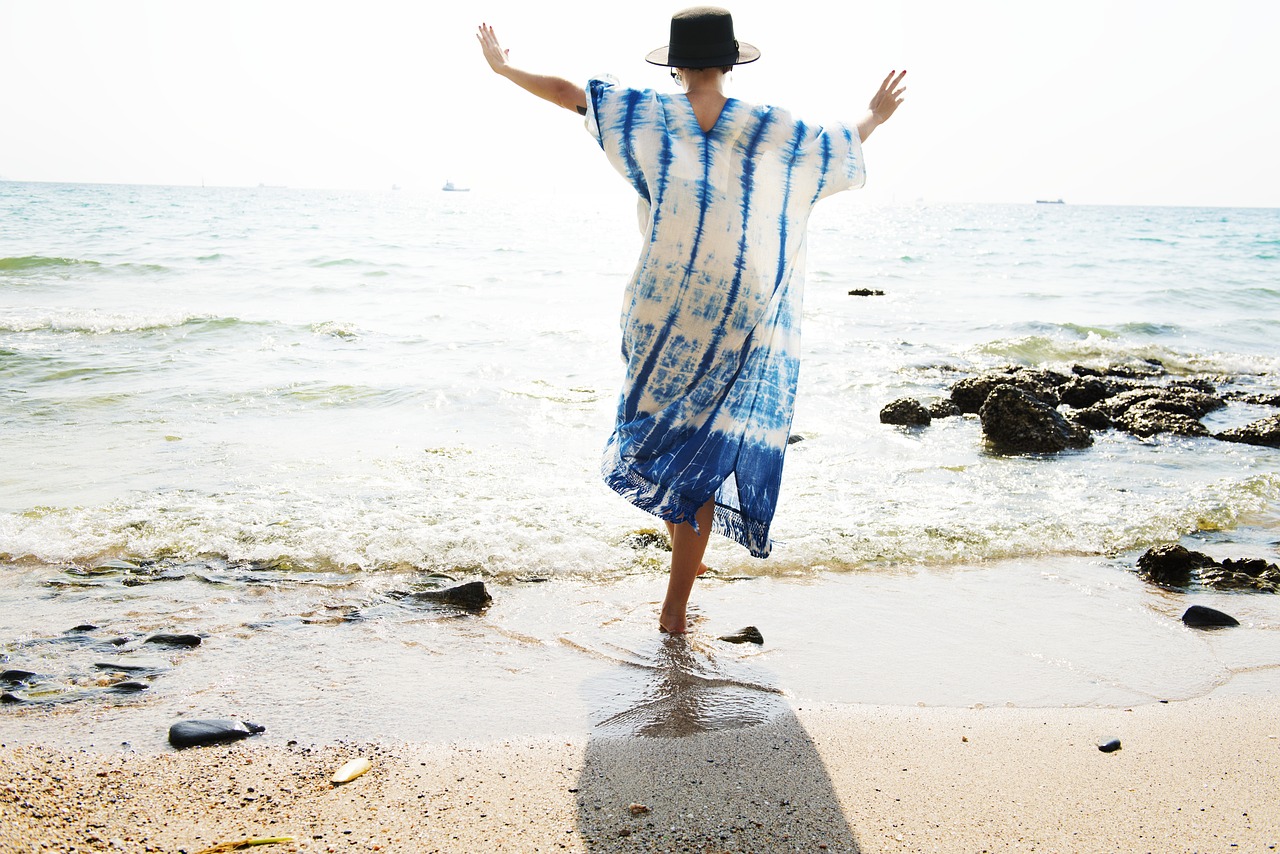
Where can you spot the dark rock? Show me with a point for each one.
(1149, 368)
(10, 697)
(1262, 399)
(1151, 418)
(1079, 392)
(1201, 385)
(16, 676)
(133, 665)
(1254, 567)
(647, 538)
(469, 597)
(1200, 617)
(1016, 422)
(83, 627)
(945, 408)
(1265, 432)
(1171, 565)
(130, 686)
(1111, 745)
(1182, 401)
(1091, 418)
(794, 438)
(174, 640)
(970, 393)
(906, 412)
(1248, 574)
(750, 634)
(865, 292)
(195, 733)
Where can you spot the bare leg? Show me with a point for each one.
(671, 536)
(687, 549)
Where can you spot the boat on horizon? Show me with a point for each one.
(1050, 202)
(450, 187)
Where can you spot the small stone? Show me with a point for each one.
(1110, 746)
(133, 664)
(638, 809)
(1200, 617)
(16, 676)
(10, 697)
(866, 292)
(794, 438)
(130, 686)
(750, 634)
(174, 640)
(469, 597)
(194, 733)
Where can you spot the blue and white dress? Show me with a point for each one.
(711, 316)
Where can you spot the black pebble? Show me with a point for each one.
(469, 597)
(194, 733)
(15, 676)
(174, 640)
(1200, 617)
(1110, 746)
(131, 686)
(748, 635)
(8, 697)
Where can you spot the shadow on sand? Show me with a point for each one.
(697, 752)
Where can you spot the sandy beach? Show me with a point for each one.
(1190, 776)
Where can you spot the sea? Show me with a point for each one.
(267, 417)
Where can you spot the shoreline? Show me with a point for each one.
(1193, 775)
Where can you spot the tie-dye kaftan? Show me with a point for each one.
(711, 317)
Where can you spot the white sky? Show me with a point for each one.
(1094, 101)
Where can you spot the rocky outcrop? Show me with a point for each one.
(1175, 566)
(1172, 565)
(1016, 422)
(1128, 398)
(1263, 432)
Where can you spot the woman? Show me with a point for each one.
(710, 327)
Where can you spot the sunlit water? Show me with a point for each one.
(289, 405)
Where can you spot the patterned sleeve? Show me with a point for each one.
(599, 92)
(617, 116)
(836, 153)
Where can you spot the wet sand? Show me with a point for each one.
(1190, 776)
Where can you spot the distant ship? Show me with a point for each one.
(450, 188)
(1050, 202)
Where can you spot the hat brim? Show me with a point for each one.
(746, 53)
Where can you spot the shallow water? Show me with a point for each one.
(317, 398)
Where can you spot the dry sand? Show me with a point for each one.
(1194, 776)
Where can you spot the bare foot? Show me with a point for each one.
(702, 567)
(672, 625)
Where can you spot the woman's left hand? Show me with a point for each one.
(493, 52)
(888, 98)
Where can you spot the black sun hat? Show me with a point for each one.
(702, 37)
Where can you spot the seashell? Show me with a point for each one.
(351, 770)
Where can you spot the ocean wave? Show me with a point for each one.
(32, 264)
(106, 323)
(1131, 344)
(40, 262)
(436, 521)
